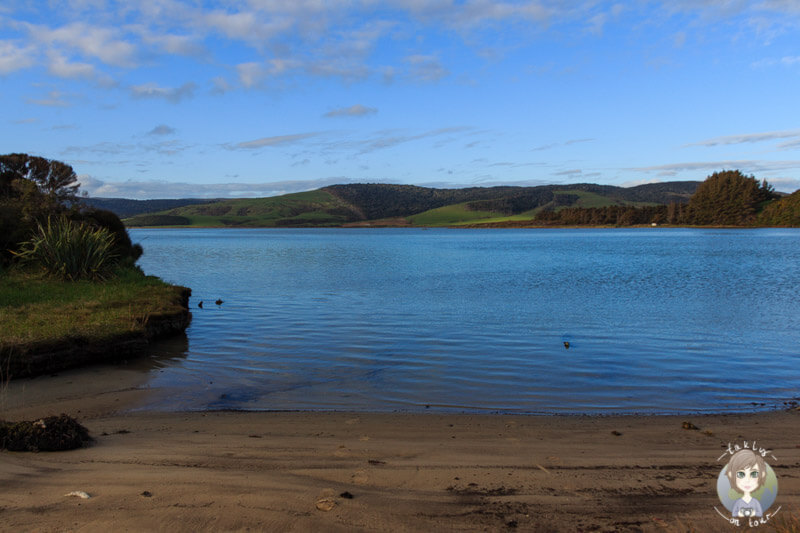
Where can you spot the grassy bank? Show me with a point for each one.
(43, 316)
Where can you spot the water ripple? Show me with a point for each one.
(656, 320)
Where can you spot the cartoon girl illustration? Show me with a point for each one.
(746, 473)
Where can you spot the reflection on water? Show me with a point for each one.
(657, 320)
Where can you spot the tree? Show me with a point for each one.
(34, 189)
(54, 179)
(727, 198)
(784, 212)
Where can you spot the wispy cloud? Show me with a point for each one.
(53, 99)
(571, 172)
(425, 68)
(390, 139)
(150, 189)
(760, 168)
(171, 94)
(550, 146)
(672, 169)
(748, 138)
(357, 110)
(132, 150)
(278, 140)
(789, 145)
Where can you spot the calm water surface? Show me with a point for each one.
(657, 320)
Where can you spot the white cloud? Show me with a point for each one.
(252, 74)
(91, 41)
(171, 94)
(186, 45)
(357, 110)
(13, 58)
(234, 25)
(59, 66)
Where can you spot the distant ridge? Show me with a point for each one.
(404, 205)
(125, 208)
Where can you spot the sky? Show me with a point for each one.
(178, 98)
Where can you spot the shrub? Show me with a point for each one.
(70, 250)
(123, 247)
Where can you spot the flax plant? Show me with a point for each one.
(70, 250)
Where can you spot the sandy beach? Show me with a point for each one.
(335, 471)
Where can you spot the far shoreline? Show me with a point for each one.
(466, 226)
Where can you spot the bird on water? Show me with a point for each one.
(200, 305)
(218, 302)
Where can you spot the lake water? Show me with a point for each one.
(657, 320)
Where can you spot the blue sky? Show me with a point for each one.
(175, 98)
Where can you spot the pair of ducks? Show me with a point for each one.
(200, 305)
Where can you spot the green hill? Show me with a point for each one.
(312, 208)
(410, 205)
(124, 207)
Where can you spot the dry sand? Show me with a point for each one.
(301, 471)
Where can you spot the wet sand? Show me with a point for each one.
(334, 471)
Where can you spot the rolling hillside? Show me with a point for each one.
(123, 207)
(384, 204)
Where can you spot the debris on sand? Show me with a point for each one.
(50, 434)
(326, 504)
(78, 494)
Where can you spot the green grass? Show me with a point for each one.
(41, 311)
(450, 215)
(311, 207)
(587, 199)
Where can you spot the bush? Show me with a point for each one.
(123, 247)
(70, 250)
